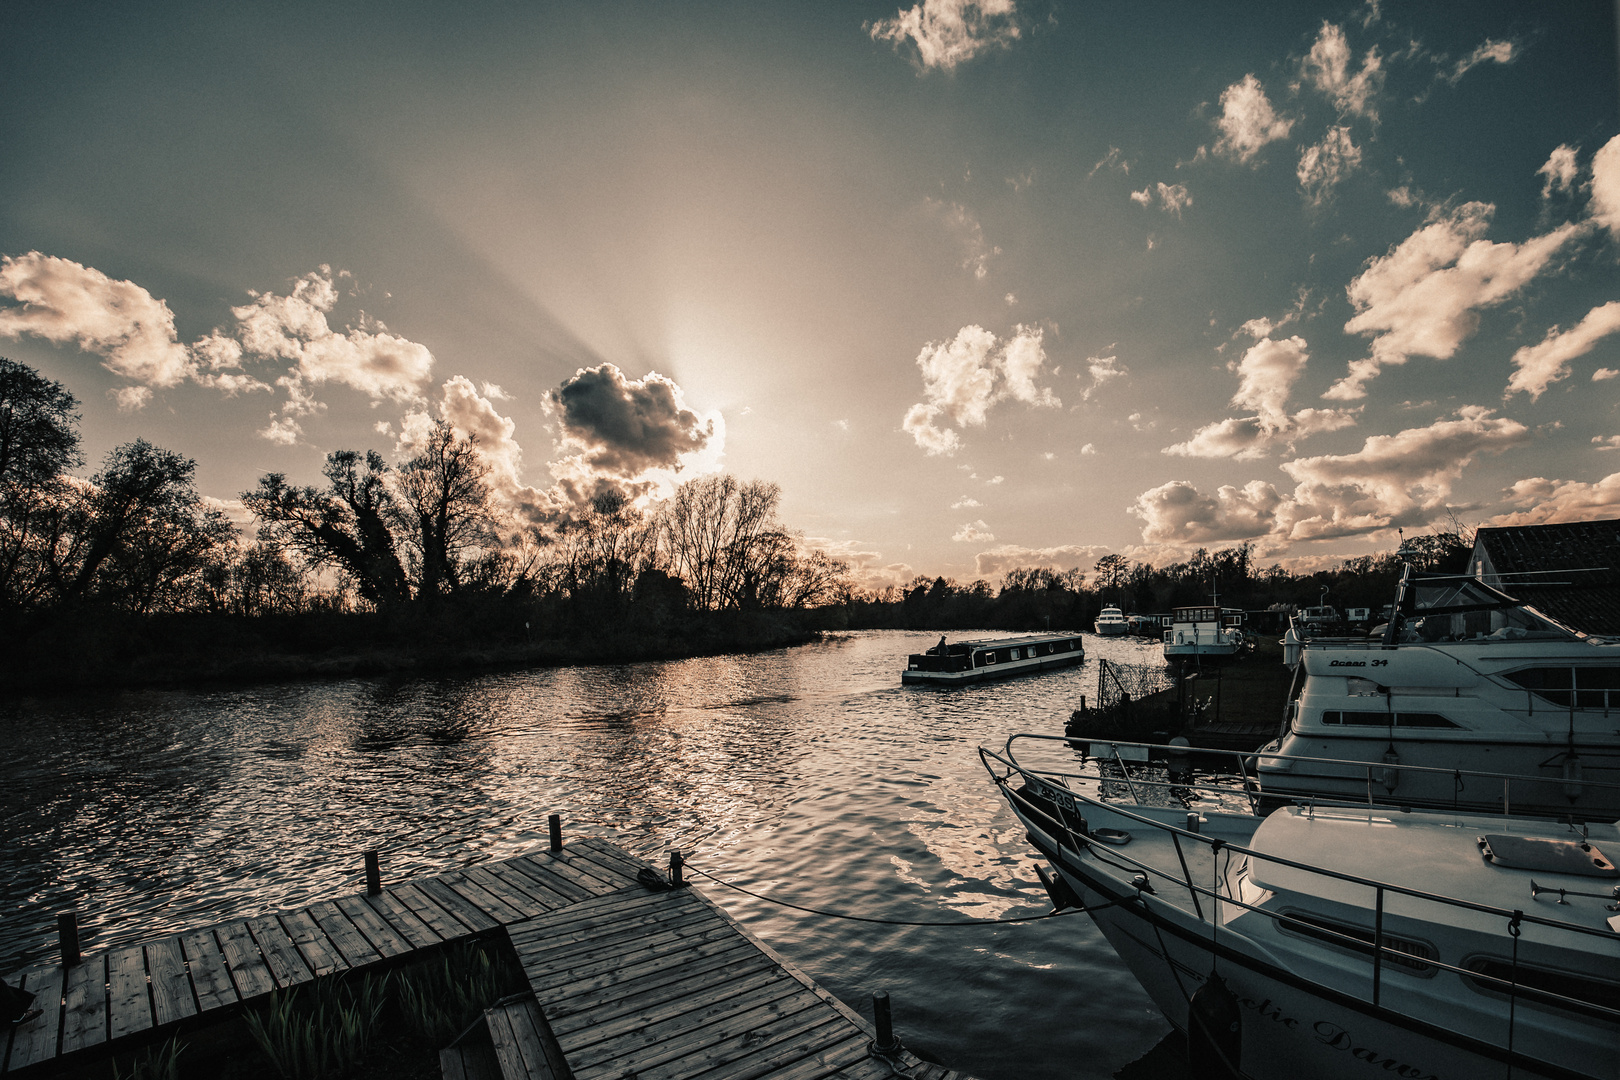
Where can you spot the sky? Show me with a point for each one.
(981, 284)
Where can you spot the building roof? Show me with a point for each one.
(1586, 599)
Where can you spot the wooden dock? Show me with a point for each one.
(627, 982)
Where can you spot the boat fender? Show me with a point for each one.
(1214, 1031)
(1057, 889)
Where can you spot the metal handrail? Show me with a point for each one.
(1379, 948)
(1279, 860)
(1240, 757)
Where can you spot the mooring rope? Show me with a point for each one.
(894, 922)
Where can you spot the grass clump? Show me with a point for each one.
(439, 997)
(154, 1063)
(320, 1031)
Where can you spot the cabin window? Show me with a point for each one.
(1017, 654)
(1385, 719)
(1398, 951)
(1536, 982)
(989, 657)
(1584, 687)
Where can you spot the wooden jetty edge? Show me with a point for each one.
(626, 982)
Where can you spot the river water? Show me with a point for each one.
(806, 774)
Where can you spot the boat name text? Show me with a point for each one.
(1332, 1035)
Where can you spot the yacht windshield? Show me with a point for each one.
(1451, 608)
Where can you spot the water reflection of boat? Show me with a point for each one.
(1462, 677)
(1111, 622)
(974, 661)
(1323, 939)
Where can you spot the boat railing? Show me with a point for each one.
(1243, 771)
(1065, 797)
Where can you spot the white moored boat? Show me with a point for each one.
(1111, 622)
(949, 664)
(1205, 633)
(1462, 677)
(1334, 941)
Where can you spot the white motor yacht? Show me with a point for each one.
(1463, 677)
(1332, 941)
(1111, 622)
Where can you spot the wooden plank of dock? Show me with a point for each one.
(626, 981)
(137, 993)
(665, 986)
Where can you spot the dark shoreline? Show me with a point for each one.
(177, 651)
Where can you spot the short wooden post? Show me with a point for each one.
(675, 864)
(555, 821)
(67, 930)
(373, 874)
(886, 1043)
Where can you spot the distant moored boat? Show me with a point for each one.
(975, 661)
(1112, 622)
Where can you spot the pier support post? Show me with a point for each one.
(67, 931)
(675, 864)
(555, 822)
(886, 1043)
(373, 874)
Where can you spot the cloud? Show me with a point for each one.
(1422, 298)
(966, 502)
(1113, 161)
(1178, 513)
(950, 32)
(1605, 205)
(1399, 479)
(1324, 166)
(867, 571)
(283, 431)
(1402, 479)
(1500, 52)
(1538, 366)
(1266, 374)
(960, 220)
(974, 532)
(1004, 557)
(68, 303)
(1560, 170)
(1606, 442)
(964, 378)
(1172, 198)
(1542, 501)
(622, 428)
(1103, 370)
(1604, 374)
(294, 328)
(1327, 67)
(1088, 450)
(1247, 121)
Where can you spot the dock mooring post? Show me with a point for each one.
(885, 1043)
(67, 931)
(675, 864)
(373, 874)
(555, 822)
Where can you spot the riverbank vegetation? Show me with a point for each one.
(130, 577)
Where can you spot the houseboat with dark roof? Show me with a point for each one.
(953, 663)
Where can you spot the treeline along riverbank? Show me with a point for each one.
(428, 563)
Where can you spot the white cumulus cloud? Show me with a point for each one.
(1498, 52)
(1171, 198)
(1324, 165)
(963, 378)
(1538, 366)
(1541, 501)
(1605, 205)
(1560, 170)
(974, 532)
(1266, 373)
(1423, 297)
(950, 32)
(1247, 121)
(1328, 67)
